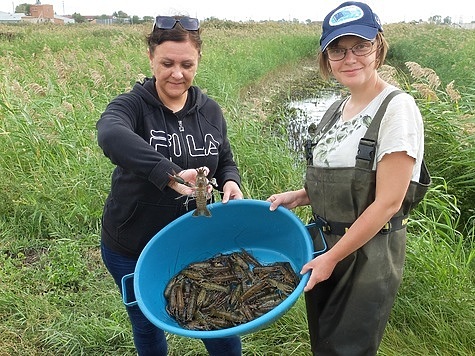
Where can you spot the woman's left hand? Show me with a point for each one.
(321, 268)
(231, 191)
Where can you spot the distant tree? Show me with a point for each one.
(436, 19)
(447, 20)
(120, 14)
(135, 19)
(148, 19)
(23, 8)
(78, 18)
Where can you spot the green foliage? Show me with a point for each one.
(64, 267)
(56, 296)
(243, 53)
(438, 281)
(23, 8)
(78, 18)
(450, 147)
(448, 50)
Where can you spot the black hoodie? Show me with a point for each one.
(147, 141)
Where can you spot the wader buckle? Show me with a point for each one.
(386, 228)
(366, 149)
(396, 223)
(321, 223)
(308, 151)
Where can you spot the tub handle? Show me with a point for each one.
(320, 232)
(124, 290)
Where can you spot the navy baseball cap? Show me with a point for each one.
(350, 18)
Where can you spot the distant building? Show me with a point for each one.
(468, 26)
(110, 20)
(39, 13)
(42, 11)
(6, 17)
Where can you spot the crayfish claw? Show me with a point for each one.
(176, 178)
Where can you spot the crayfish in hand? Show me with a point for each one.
(201, 193)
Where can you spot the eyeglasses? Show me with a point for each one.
(359, 49)
(169, 22)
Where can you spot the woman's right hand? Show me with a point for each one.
(288, 200)
(187, 175)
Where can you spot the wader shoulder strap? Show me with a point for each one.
(367, 147)
(328, 120)
(366, 155)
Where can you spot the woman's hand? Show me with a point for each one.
(188, 176)
(231, 191)
(288, 200)
(321, 268)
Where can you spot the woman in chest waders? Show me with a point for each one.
(362, 181)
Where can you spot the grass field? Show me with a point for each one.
(56, 297)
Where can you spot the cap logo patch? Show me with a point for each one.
(346, 14)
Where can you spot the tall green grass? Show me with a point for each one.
(448, 50)
(55, 295)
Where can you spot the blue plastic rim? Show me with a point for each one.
(270, 236)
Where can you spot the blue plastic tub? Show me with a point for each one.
(270, 236)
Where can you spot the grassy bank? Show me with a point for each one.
(55, 295)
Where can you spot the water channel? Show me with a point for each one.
(304, 113)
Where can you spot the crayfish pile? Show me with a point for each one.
(227, 290)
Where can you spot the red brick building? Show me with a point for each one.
(40, 13)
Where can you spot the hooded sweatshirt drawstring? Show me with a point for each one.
(165, 130)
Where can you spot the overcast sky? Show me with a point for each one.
(237, 10)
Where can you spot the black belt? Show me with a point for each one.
(339, 228)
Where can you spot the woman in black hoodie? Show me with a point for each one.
(163, 126)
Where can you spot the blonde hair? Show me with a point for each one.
(382, 50)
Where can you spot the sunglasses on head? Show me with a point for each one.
(169, 22)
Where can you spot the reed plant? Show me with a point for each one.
(56, 298)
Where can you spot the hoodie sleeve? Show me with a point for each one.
(118, 136)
